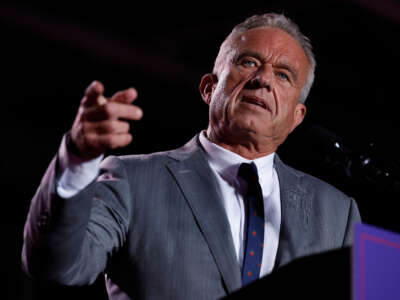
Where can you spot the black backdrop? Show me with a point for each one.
(50, 52)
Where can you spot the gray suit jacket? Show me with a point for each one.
(155, 225)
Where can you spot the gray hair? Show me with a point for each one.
(275, 21)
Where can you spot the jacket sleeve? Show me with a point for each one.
(70, 240)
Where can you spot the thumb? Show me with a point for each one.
(93, 91)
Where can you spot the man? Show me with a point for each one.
(177, 224)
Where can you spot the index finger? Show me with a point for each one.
(113, 111)
(125, 96)
(124, 111)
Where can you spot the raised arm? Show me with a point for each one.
(68, 239)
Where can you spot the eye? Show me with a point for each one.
(248, 63)
(283, 76)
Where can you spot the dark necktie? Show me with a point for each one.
(254, 239)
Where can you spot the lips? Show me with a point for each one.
(255, 101)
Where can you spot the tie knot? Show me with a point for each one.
(248, 172)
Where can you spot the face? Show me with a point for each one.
(255, 94)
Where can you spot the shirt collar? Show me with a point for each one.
(226, 163)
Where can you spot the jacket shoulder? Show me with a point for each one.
(189, 150)
(319, 186)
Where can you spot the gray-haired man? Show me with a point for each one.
(172, 225)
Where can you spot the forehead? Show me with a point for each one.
(272, 44)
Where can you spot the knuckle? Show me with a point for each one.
(108, 109)
(112, 142)
(127, 127)
(85, 127)
(85, 113)
(113, 126)
(100, 128)
(110, 126)
(87, 139)
(120, 95)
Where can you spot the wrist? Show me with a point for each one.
(71, 146)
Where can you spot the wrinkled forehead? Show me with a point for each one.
(268, 42)
(267, 39)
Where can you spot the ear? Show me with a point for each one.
(299, 114)
(206, 86)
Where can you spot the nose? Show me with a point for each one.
(262, 79)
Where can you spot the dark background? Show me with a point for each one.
(50, 52)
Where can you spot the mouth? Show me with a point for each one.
(255, 101)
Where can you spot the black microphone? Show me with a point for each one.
(361, 161)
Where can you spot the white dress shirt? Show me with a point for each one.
(225, 164)
(74, 175)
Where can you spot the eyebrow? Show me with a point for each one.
(280, 65)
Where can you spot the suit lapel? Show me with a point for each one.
(295, 214)
(199, 186)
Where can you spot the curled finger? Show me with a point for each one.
(113, 141)
(107, 127)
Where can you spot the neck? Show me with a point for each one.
(247, 147)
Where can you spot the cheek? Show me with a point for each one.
(222, 104)
(217, 105)
(230, 79)
(288, 118)
(221, 95)
(286, 106)
(287, 99)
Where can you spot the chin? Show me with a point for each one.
(249, 124)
